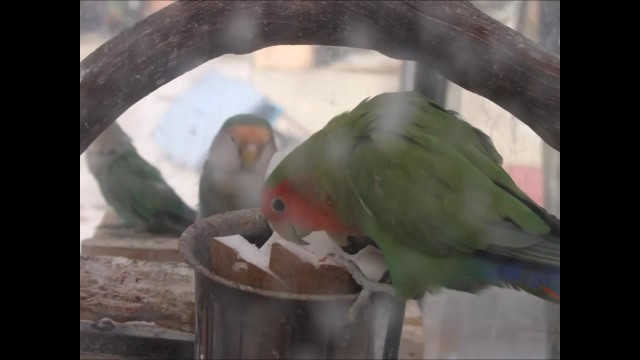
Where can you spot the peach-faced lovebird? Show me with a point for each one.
(233, 174)
(429, 190)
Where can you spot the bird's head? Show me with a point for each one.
(109, 145)
(245, 139)
(295, 204)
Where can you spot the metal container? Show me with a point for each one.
(236, 321)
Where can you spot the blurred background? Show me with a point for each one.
(299, 89)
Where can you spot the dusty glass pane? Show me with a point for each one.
(299, 89)
(498, 323)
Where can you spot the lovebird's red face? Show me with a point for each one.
(294, 214)
(287, 211)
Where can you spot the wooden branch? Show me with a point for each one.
(129, 290)
(465, 45)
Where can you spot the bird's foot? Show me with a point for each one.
(360, 278)
(368, 286)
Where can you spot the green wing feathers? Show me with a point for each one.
(438, 193)
(432, 187)
(429, 189)
(141, 196)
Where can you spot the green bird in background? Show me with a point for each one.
(134, 188)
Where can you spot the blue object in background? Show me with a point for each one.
(186, 130)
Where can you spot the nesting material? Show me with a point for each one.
(279, 266)
(284, 266)
(234, 259)
(305, 274)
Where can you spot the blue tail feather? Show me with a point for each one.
(537, 279)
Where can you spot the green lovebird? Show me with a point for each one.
(428, 189)
(233, 173)
(134, 188)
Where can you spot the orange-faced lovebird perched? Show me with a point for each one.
(233, 174)
(134, 188)
(428, 189)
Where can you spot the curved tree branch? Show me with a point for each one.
(465, 45)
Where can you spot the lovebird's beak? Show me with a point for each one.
(249, 155)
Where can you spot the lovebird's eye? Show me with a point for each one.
(278, 205)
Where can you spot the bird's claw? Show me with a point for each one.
(357, 309)
(360, 278)
(368, 287)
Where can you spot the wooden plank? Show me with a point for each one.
(106, 339)
(113, 239)
(132, 290)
